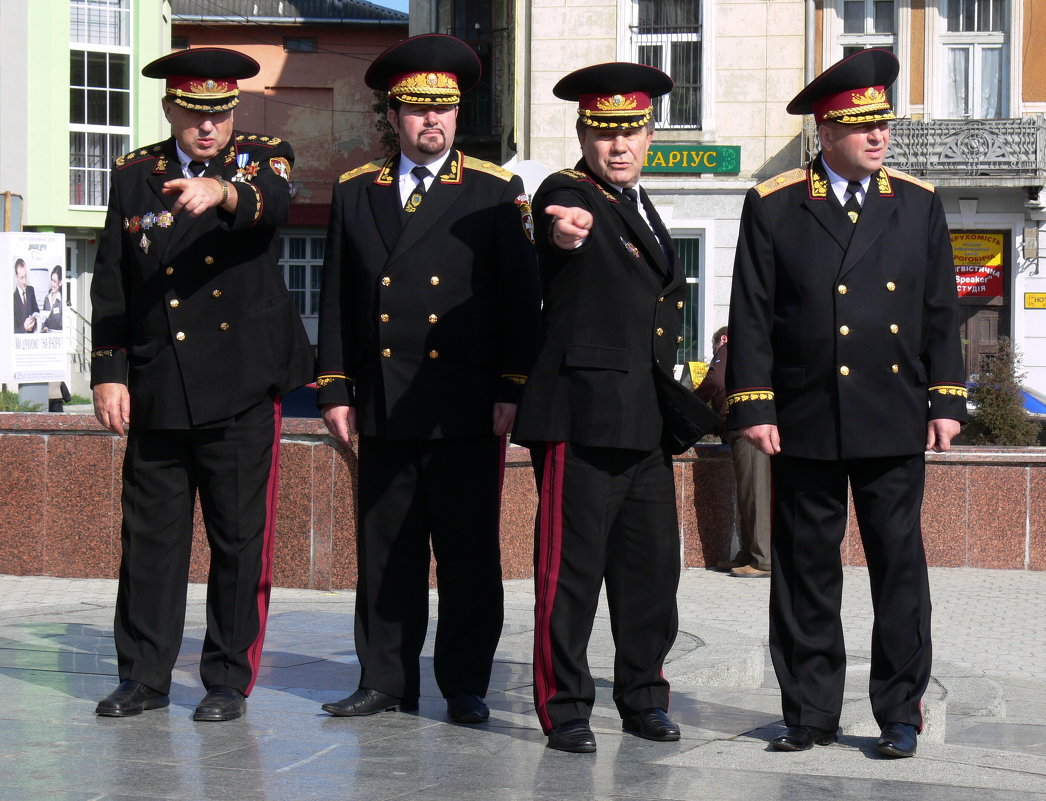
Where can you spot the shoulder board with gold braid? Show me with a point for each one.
(771, 185)
(584, 177)
(488, 167)
(363, 169)
(577, 175)
(258, 139)
(150, 152)
(903, 176)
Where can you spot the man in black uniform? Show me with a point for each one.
(195, 339)
(428, 325)
(613, 300)
(846, 365)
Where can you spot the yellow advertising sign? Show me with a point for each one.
(978, 263)
(1035, 300)
(698, 371)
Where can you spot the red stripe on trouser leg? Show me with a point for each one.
(546, 575)
(265, 577)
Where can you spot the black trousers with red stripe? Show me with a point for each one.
(806, 634)
(446, 492)
(604, 515)
(235, 469)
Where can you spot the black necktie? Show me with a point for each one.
(421, 173)
(632, 196)
(664, 238)
(852, 206)
(197, 168)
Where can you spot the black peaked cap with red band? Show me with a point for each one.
(203, 78)
(427, 69)
(851, 91)
(618, 94)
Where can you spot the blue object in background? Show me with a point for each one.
(301, 402)
(1034, 402)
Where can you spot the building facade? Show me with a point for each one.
(722, 129)
(971, 95)
(71, 100)
(310, 91)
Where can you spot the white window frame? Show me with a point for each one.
(867, 37)
(100, 171)
(628, 48)
(313, 273)
(835, 40)
(939, 39)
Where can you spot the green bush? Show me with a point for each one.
(1000, 418)
(390, 141)
(9, 402)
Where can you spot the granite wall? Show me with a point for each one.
(61, 516)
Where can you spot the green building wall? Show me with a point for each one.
(47, 115)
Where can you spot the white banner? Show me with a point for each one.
(35, 341)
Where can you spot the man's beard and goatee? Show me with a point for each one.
(431, 145)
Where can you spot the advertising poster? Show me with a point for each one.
(34, 340)
(978, 264)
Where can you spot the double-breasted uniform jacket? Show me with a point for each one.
(613, 313)
(428, 319)
(193, 313)
(849, 333)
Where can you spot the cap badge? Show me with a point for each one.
(208, 87)
(868, 97)
(431, 79)
(616, 103)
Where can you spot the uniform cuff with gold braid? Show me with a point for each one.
(949, 388)
(754, 394)
(326, 379)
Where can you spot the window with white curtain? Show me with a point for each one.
(975, 45)
(99, 96)
(667, 34)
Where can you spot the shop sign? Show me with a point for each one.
(978, 264)
(684, 158)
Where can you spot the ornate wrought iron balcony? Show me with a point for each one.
(1007, 152)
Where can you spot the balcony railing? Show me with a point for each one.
(1008, 151)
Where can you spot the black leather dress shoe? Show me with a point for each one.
(897, 740)
(467, 708)
(574, 736)
(653, 724)
(221, 703)
(368, 702)
(130, 698)
(803, 738)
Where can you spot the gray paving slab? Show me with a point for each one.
(988, 699)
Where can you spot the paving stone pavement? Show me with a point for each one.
(986, 708)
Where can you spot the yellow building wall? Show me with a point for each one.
(1033, 53)
(917, 45)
